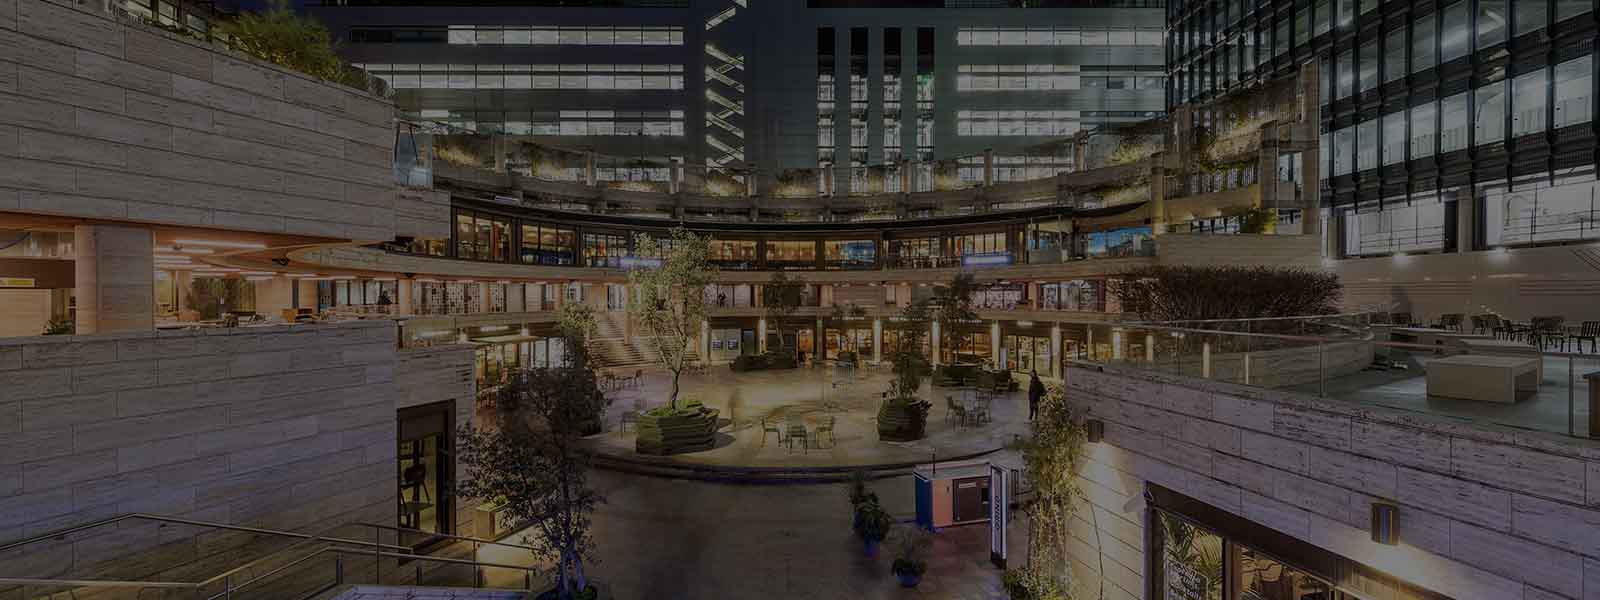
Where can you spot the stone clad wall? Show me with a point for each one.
(442, 374)
(289, 427)
(118, 121)
(1486, 513)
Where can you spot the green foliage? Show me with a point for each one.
(285, 38)
(211, 297)
(668, 301)
(1258, 220)
(858, 488)
(951, 307)
(780, 299)
(59, 327)
(1051, 457)
(1026, 584)
(871, 522)
(1182, 293)
(911, 545)
(1199, 550)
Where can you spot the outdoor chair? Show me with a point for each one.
(638, 378)
(797, 430)
(769, 427)
(1590, 330)
(953, 410)
(1479, 324)
(628, 416)
(825, 428)
(1546, 331)
(1450, 321)
(1400, 319)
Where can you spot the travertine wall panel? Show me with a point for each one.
(1486, 513)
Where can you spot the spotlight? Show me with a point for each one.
(1385, 525)
(1096, 429)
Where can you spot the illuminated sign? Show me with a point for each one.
(16, 282)
(985, 260)
(633, 262)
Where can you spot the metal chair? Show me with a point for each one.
(1590, 330)
(628, 416)
(769, 427)
(825, 428)
(951, 409)
(797, 430)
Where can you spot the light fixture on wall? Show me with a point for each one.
(1385, 523)
(1096, 430)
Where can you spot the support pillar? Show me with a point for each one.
(483, 297)
(1465, 221)
(996, 352)
(988, 167)
(933, 343)
(274, 295)
(705, 342)
(405, 303)
(115, 278)
(588, 168)
(1055, 350)
(181, 280)
(877, 341)
(761, 335)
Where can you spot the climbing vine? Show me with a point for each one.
(1051, 458)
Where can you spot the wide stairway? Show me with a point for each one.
(610, 346)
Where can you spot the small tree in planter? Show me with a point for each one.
(951, 307)
(905, 416)
(668, 303)
(871, 522)
(780, 299)
(911, 546)
(531, 460)
(1051, 457)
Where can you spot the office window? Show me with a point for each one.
(1323, 18)
(1424, 54)
(1424, 130)
(1454, 117)
(1455, 38)
(1367, 145)
(1489, 113)
(1567, 9)
(1492, 23)
(1369, 66)
(1302, 25)
(1343, 150)
(1346, 74)
(1531, 15)
(1394, 55)
(1574, 95)
(1394, 137)
(1529, 105)
(1347, 13)
(1283, 38)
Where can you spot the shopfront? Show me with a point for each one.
(730, 340)
(848, 336)
(500, 356)
(1204, 553)
(972, 344)
(423, 456)
(1025, 349)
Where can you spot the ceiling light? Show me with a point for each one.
(220, 244)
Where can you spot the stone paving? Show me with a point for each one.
(850, 396)
(668, 538)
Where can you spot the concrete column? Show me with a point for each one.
(1116, 345)
(308, 293)
(405, 304)
(996, 352)
(705, 342)
(1055, 350)
(1149, 348)
(274, 295)
(181, 280)
(761, 334)
(988, 167)
(933, 343)
(877, 341)
(588, 168)
(1465, 220)
(517, 297)
(115, 278)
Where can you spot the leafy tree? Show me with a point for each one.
(904, 416)
(668, 301)
(780, 299)
(1186, 293)
(283, 37)
(1051, 457)
(530, 458)
(951, 307)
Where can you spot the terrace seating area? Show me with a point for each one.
(1554, 332)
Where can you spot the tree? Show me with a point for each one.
(951, 307)
(904, 416)
(283, 37)
(530, 459)
(1051, 457)
(1191, 293)
(668, 300)
(780, 299)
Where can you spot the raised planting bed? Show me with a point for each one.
(665, 430)
(758, 362)
(901, 421)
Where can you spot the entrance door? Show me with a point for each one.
(424, 464)
(747, 339)
(971, 499)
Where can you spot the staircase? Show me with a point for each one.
(610, 347)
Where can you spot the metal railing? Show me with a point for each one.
(312, 564)
(1344, 357)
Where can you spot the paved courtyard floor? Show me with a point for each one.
(668, 538)
(849, 396)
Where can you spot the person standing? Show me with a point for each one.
(1035, 392)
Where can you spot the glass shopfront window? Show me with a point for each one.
(857, 340)
(850, 254)
(1000, 297)
(979, 243)
(445, 298)
(792, 255)
(733, 254)
(546, 245)
(604, 249)
(1024, 353)
(1119, 243)
(730, 296)
(973, 346)
(482, 237)
(916, 253)
(1541, 210)
(1087, 295)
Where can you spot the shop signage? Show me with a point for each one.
(16, 282)
(1184, 583)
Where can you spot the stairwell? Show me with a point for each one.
(610, 346)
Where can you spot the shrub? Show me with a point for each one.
(282, 37)
(1186, 293)
(872, 523)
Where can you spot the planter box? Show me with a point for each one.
(676, 434)
(901, 422)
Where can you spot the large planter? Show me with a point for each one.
(677, 432)
(901, 421)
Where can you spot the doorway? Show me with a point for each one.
(426, 467)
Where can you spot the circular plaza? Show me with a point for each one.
(817, 419)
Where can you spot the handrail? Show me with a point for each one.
(444, 535)
(1296, 318)
(180, 521)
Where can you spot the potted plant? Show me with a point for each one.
(911, 547)
(871, 523)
